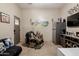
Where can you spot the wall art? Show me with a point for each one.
(5, 18)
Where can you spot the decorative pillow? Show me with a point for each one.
(7, 43)
(2, 48)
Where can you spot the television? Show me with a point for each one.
(73, 20)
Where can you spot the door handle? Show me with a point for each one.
(14, 31)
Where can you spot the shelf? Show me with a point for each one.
(70, 36)
(72, 41)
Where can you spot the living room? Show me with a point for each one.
(39, 19)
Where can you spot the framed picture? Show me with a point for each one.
(39, 22)
(5, 18)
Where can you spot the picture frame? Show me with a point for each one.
(5, 18)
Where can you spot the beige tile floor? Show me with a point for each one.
(49, 49)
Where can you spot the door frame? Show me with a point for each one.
(15, 17)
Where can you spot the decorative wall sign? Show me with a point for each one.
(5, 18)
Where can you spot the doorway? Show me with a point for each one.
(16, 30)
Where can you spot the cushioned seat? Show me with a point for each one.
(12, 51)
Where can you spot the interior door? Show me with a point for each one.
(16, 30)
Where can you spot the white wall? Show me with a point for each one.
(65, 14)
(47, 14)
(7, 30)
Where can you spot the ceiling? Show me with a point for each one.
(41, 5)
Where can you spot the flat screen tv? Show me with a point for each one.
(73, 20)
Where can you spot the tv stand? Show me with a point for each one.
(69, 41)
